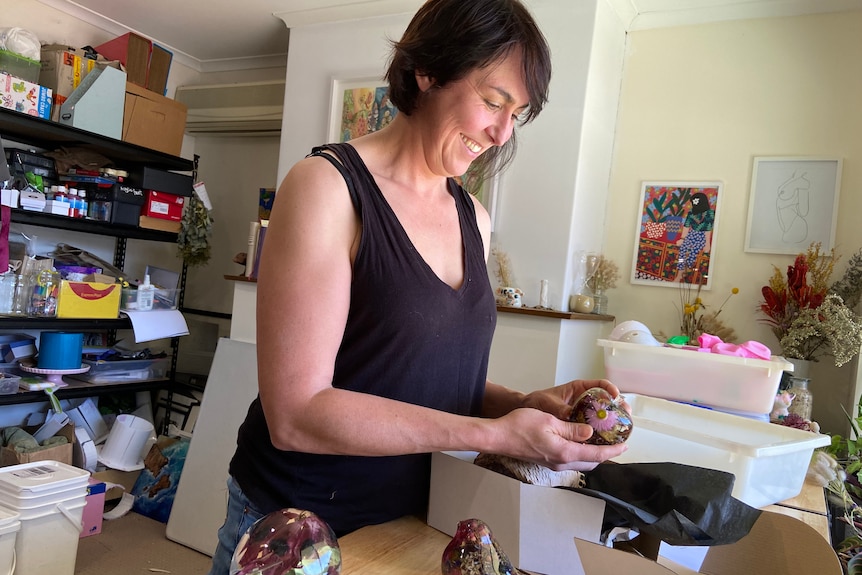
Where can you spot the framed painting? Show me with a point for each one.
(358, 106)
(793, 202)
(676, 233)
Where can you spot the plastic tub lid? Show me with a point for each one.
(7, 517)
(41, 477)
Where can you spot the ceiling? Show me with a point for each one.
(254, 33)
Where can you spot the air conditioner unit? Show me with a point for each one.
(243, 109)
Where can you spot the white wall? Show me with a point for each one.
(698, 103)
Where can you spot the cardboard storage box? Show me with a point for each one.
(164, 206)
(768, 460)
(63, 69)
(25, 97)
(132, 51)
(88, 300)
(160, 224)
(15, 346)
(534, 524)
(61, 453)
(721, 381)
(153, 121)
(557, 532)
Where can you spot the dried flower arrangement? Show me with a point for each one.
(606, 275)
(504, 267)
(810, 318)
(695, 320)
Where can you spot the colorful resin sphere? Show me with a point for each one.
(611, 423)
(287, 542)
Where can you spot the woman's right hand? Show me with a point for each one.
(533, 435)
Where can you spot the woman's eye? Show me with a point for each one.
(492, 105)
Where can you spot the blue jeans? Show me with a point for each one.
(240, 516)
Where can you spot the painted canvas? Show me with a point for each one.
(676, 233)
(365, 110)
(156, 486)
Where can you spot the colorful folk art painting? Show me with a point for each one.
(676, 233)
(365, 110)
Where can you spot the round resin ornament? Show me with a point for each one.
(611, 423)
(287, 542)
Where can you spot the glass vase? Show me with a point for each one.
(600, 301)
(803, 400)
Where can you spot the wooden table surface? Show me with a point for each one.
(408, 546)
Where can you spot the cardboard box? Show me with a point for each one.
(61, 453)
(164, 206)
(25, 97)
(15, 346)
(133, 52)
(160, 224)
(63, 69)
(153, 121)
(88, 300)
(94, 507)
(86, 416)
(161, 181)
(776, 544)
(534, 524)
(160, 68)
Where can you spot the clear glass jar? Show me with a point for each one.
(802, 398)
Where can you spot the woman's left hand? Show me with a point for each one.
(560, 399)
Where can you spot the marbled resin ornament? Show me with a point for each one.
(474, 551)
(288, 542)
(611, 423)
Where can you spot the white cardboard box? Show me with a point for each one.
(776, 544)
(554, 531)
(535, 525)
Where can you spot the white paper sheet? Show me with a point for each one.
(157, 324)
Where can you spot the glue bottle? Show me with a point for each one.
(146, 294)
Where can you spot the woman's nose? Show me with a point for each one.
(501, 131)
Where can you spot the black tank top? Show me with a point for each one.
(409, 336)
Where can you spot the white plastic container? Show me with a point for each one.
(49, 498)
(768, 460)
(9, 527)
(711, 379)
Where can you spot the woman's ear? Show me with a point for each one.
(424, 81)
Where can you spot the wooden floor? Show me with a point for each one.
(135, 544)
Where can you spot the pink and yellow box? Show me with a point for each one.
(88, 300)
(94, 507)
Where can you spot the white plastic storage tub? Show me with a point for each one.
(9, 526)
(768, 460)
(49, 498)
(722, 381)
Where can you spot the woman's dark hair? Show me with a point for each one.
(447, 39)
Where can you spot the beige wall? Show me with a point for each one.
(698, 103)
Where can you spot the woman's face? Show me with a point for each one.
(465, 118)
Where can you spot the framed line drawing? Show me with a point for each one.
(676, 231)
(358, 106)
(793, 202)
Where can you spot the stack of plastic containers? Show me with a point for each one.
(9, 526)
(48, 498)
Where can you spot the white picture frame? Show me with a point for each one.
(368, 110)
(793, 202)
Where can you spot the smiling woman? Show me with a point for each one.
(375, 312)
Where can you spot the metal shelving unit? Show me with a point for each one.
(30, 131)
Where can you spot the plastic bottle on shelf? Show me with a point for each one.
(83, 204)
(73, 202)
(146, 294)
(60, 194)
